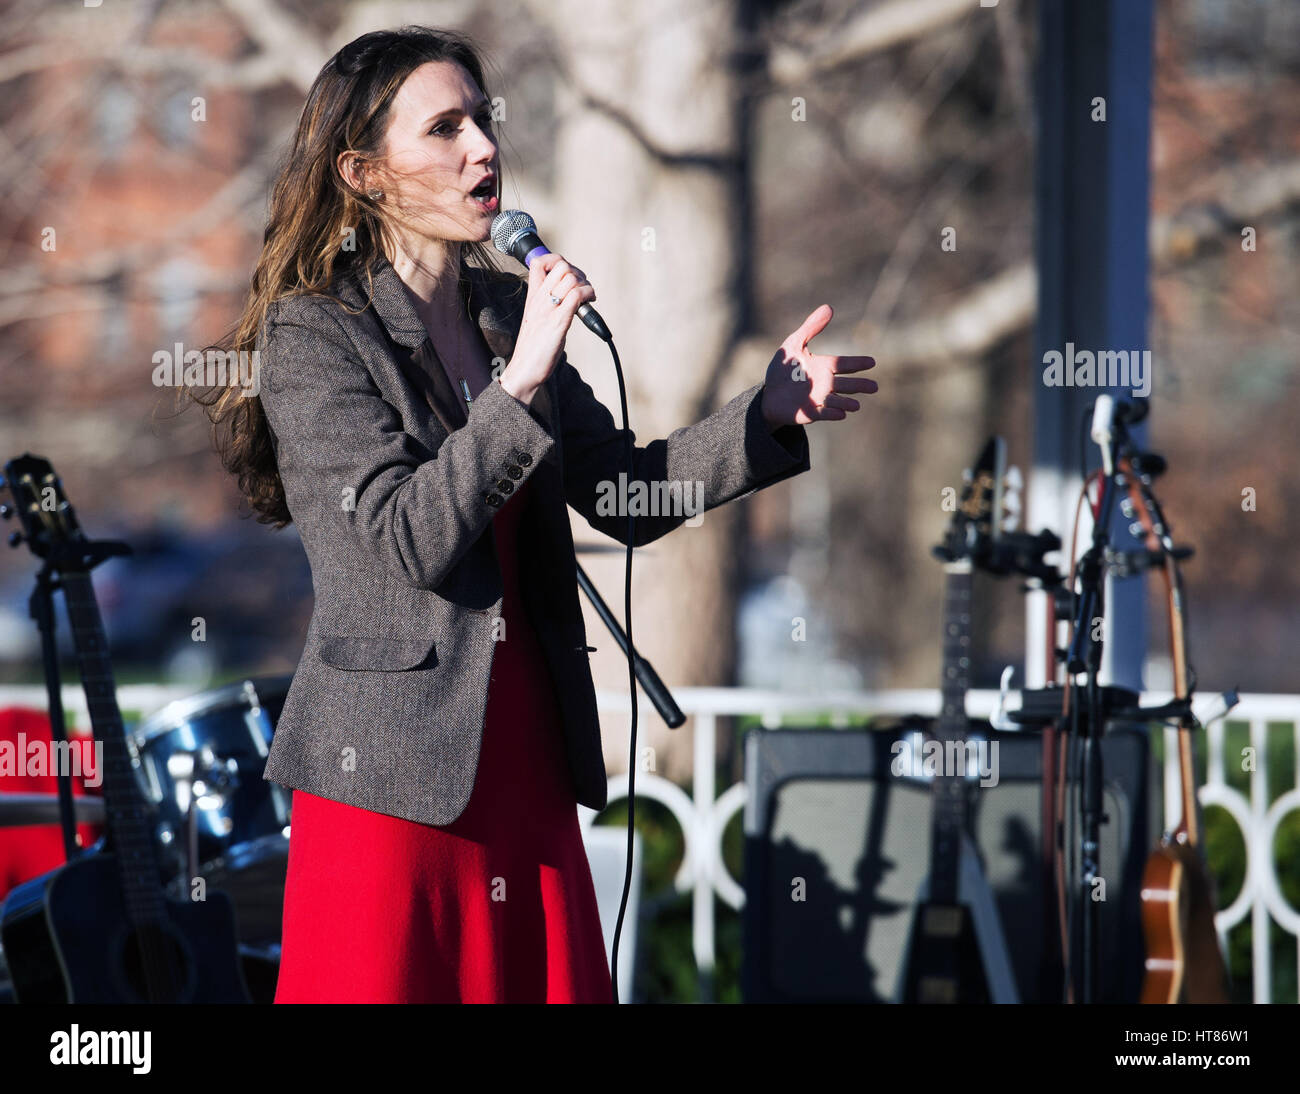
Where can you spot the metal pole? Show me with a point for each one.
(1092, 192)
(1092, 196)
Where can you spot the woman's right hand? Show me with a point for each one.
(545, 325)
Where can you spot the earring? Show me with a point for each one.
(375, 195)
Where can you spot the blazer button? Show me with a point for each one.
(493, 498)
(525, 460)
(514, 472)
(506, 486)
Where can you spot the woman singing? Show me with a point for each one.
(417, 419)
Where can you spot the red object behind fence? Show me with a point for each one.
(29, 850)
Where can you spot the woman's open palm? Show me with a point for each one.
(802, 387)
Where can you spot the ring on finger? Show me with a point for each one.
(555, 299)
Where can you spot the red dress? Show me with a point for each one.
(497, 907)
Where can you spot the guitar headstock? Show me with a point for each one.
(49, 523)
(989, 507)
(1013, 486)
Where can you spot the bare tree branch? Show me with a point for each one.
(874, 31)
(1005, 304)
(297, 50)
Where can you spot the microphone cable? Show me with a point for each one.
(515, 233)
(631, 676)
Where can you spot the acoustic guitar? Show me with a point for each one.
(100, 928)
(1183, 960)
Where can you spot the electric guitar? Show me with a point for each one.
(100, 928)
(956, 952)
(1183, 962)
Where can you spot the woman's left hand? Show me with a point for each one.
(804, 387)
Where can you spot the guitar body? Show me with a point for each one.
(67, 940)
(944, 961)
(1183, 963)
(956, 951)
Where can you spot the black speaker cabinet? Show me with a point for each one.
(836, 847)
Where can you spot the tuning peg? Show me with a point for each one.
(6, 510)
(15, 538)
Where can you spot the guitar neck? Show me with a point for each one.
(125, 806)
(1156, 535)
(948, 796)
(1190, 824)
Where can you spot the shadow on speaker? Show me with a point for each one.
(836, 848)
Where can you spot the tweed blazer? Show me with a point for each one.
(393, 485)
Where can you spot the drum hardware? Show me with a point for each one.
(20, 810)
(202, 782)
(199, 761)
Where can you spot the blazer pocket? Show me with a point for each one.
(376, 654)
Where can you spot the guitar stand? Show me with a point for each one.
(40, 606)
(1091, 706)
(1102, 704)
(1091, 709)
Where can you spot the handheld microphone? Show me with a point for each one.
(1110, 414)
(1103, 425)
(514, 233)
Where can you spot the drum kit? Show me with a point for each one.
(199, 761)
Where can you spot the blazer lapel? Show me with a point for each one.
(495, 305)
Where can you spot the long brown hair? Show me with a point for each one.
(311, 211)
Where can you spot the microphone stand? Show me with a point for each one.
(1084, 656)
(649, 680)
(1092, 709)
(1099, 706)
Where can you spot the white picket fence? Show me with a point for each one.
(703, 813)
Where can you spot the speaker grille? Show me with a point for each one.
(837, 849)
